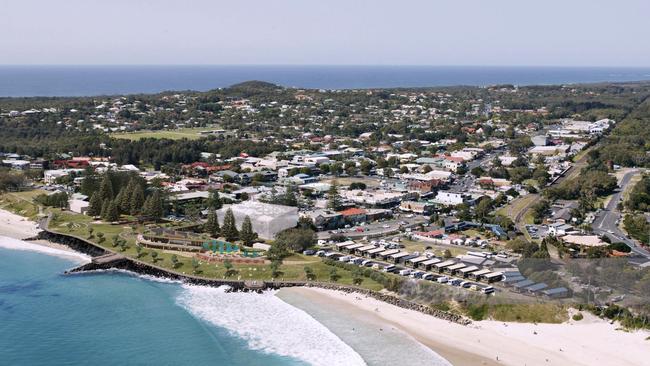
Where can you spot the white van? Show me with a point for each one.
(443, 279)
(389, 268)
(405, 272)
(487, 290)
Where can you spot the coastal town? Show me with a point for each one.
(475, 195)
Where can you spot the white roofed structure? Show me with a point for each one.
(267, 219)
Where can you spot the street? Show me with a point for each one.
(606, 220)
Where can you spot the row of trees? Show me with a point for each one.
(129, 199)
(229, 229)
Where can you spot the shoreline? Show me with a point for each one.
(479, 343)
(587, 342)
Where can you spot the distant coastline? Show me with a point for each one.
(50, 81)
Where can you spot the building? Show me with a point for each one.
(267, 219)
(449, 198)
(422, 208)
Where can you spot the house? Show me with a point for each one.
(559, 229)
(326, 219)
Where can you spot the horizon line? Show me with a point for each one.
(328, 65)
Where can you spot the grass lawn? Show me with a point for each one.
(21, 203)
(177, 134)
(419, 246)
(346, 181)
(515, 206)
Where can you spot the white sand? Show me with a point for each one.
(590, 341)
(16, 226)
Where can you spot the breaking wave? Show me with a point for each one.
(269, 324)
(15, 244)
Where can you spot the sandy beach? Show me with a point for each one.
(590, 341)
(17, 227)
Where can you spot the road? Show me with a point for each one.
(605, 222)
(377, 229)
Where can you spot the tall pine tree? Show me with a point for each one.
(212, 225)
(106, 188)
(153, 206)
(95, 205)
(333, 198)
(229, 227)
(136, 200)
(247, 235)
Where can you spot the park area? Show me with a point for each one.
(175, 134)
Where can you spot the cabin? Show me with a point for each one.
(441, 266)
(426, 265)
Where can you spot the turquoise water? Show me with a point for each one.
(47, 318)
(118, 318)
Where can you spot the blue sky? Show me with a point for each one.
(364, 32)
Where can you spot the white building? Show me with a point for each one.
(449, 198)
(267, 219)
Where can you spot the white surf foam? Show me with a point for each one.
(130, 273)
(269, 324)
(15, 244)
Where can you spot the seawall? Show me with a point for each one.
(105, 259)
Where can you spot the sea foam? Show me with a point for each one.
(269, 324)
(15, 244)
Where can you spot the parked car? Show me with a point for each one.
(442, 279)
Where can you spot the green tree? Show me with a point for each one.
(229, 227)
(247, 235)
(100, 237)
(333, 198)
(289, 197)
(95, 205)
(296, 239)
(275, 268)
(105, 207)
(153, 206)
(136, 200)
(196, 266)
(138, 250)
(212, 224)
(112, 212)
(309, 273)
(106, 187)
(214, 201)
(154, 256)
(175, 262)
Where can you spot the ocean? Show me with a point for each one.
(118, 318)
(21, 81)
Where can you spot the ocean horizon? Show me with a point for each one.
(91, 80)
